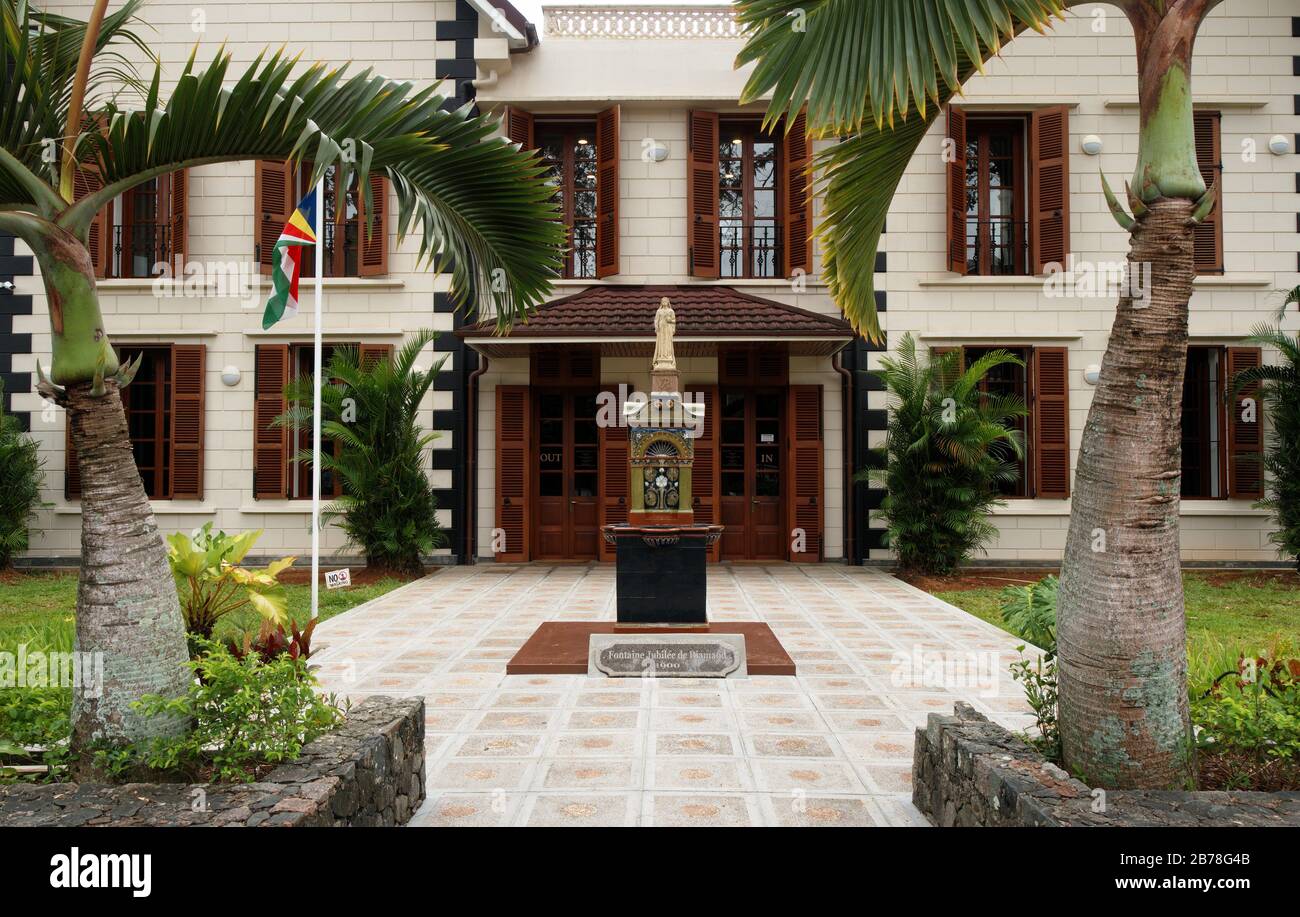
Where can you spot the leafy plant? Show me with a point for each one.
(948, 447)
(245, 713)
(21, 478)
(372, 414)
(207, 563)
(34, 729)
(272, 641)
(1030, 613)
(1279, 387)
(1252, 708)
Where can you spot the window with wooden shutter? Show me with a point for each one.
(272, 207)
(607, 155)
(1049, 187)
(615, 472)
(702, 194)
(951, 376)
(1207, 237)
(518, 126)
(87, 180)
(1245, 428)
(187, 421)
(956, 151)
(1051, 422)
(178, 230)
(705, 483)
(805, 470)
(374, 237)
(796, 159)
(369, 355)
(514, 424)
(270, 443)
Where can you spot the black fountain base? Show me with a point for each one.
(661, 573)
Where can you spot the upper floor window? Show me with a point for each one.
(996, 232)
(141, 233)
(1008, 191)
(748, 222)
(749, 198)
(569, 150)
(1207, 239)
(349, 251)
(582, 156)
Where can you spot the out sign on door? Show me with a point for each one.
(337, 579)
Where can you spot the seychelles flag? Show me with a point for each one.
(286, 261)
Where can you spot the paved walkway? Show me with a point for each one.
(830, 747)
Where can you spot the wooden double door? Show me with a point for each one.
(752, 446)
(566, 524)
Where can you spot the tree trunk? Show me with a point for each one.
(127, 607)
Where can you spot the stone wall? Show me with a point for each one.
(368, 773)
(970, 772)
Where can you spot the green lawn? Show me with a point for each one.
(35, 599)
(1246, 613)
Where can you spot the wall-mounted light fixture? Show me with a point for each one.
(1092, 374)
(1278, 145)
(1091, 144)
(230, 376)
(658, 151)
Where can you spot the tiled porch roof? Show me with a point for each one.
(703, 313)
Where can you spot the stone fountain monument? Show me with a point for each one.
(661, 552)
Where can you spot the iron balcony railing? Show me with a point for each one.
(138, 249)
(1006, 242)
(749, 249)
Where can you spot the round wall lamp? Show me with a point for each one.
(658, 151)
(1092, 374)
(1091, 144)
(1278, 145)
(230, 375)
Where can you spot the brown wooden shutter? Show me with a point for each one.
(615, 473)
(519, 127)
(370, 354)
(706, 484)
(1049, 187)
(179, 204)
(514, 462)
(87, 180)
(187, 421)
(1245, 437)
(796, 215)
(270, 443)
(607, 188)
(804, 464)
(702, 193)
(1051, 418)
(956, 119)
(1207, 237)
(71, 467)
(374, 244)
(273, 204)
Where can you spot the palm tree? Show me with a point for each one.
(372, 414)
(876, 74)
(479, 205)
(948, 448)
(1279, 387)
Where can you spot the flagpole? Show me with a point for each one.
(316, 402)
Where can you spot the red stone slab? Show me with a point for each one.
(560, 647)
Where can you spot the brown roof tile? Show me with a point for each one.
(702, 312)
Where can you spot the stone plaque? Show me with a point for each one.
(667, 655)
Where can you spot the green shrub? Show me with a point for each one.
(948, 447)
(213, 585)
(245, 713)
(1030, 613)
(21, 479)
(1279, 389)
(371, 414)
(1252, 708)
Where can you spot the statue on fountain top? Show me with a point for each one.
(665, 327)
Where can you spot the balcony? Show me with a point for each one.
(749, 250)
(997, 247)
